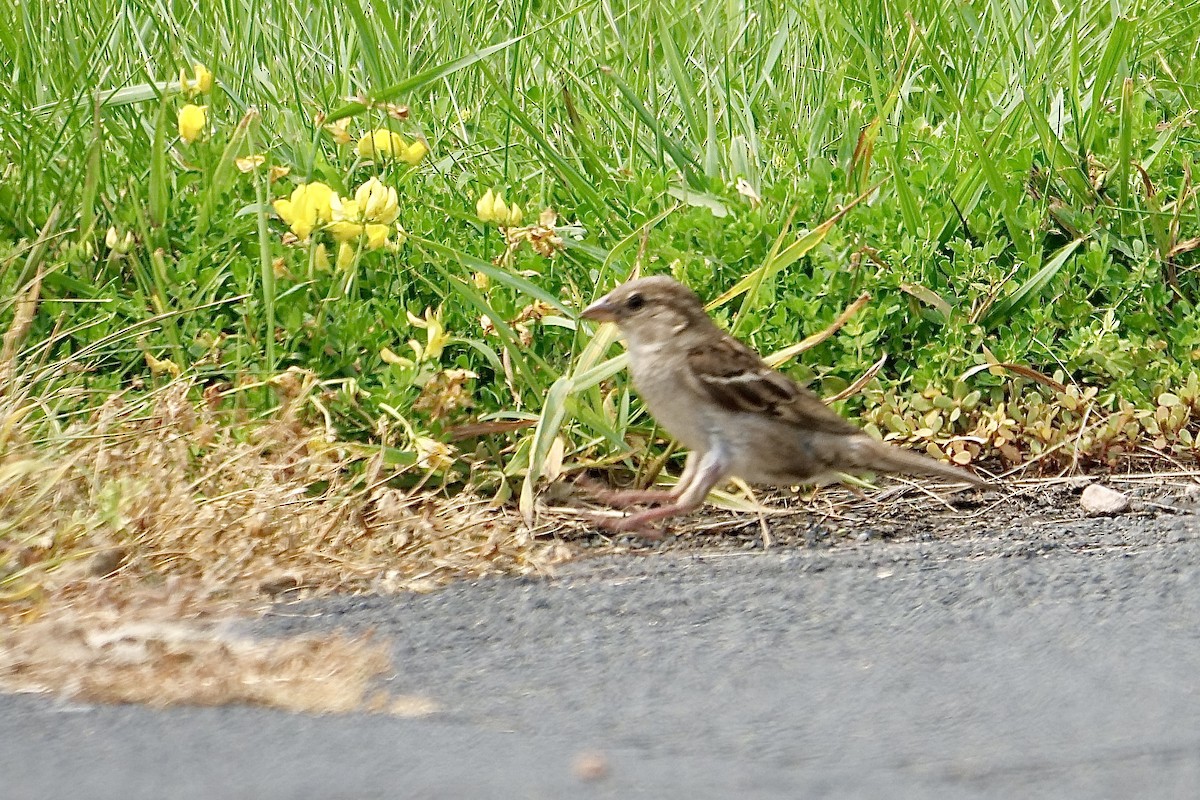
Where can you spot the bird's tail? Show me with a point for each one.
(868, 454)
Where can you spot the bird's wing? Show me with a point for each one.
(737, 379)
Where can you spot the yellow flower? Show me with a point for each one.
(436, 337)
(483, 206)
(200, 82)
(415, 152)
(345, 231)
(386, 145)
(368, 214)
(192, 119)
(382, 144)
(320, 258)
(345, 258)
(376, 202)
(320, 196)
(499, 210)
(310, 205)
(377, 235)
(347, 219)
(204, 78)
(492, 208)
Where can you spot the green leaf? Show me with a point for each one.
(1116, 50)
(158, 168)
(689, 99)
(554, 411)
(1029, 291)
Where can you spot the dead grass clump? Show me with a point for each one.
(164, 647)
(166, 487)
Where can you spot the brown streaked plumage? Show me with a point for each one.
(737, 415)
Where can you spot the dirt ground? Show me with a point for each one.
(904, 512)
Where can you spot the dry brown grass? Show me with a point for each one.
(168, 488)
(166, 646)
(126, 537)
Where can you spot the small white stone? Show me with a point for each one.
(1099, 499)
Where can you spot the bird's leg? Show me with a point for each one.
(625, 497)
(708, 470)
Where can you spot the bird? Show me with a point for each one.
(736, 415)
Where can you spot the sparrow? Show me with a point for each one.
(736, 415)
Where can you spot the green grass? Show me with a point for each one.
(1033, 161)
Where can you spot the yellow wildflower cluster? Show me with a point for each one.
(368, 214)
(193, 119)
(385, 145)
(368, 217)
(436, 339)
(199, 82)
(492, 208)
(310, 205)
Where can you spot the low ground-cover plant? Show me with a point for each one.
(407, 206)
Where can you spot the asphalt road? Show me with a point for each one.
(1042, 659)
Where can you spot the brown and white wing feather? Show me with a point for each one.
(737, 379)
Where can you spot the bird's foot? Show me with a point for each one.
(628, 524)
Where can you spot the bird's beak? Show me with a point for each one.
(603, 310)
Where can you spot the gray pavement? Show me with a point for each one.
(1040, 659)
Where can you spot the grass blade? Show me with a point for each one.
(554, 411)
(685, 163)
(440, 71)
(1004, 309)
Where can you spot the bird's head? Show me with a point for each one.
(651, 310)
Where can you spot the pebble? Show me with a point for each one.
(1101, 500)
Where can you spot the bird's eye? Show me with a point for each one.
(635, 302)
